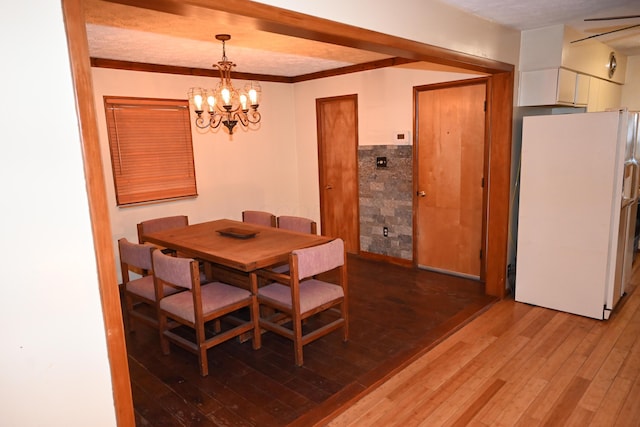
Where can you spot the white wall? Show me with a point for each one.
(385, 102)
(54, 368)
(276, 167)
(631, 88)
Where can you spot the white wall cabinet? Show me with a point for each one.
(604, 95)
(553, 86)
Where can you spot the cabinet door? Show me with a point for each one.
(538, 87)
(553, 86)
(566, 87)
(610, 96)
(582, 90)
(603, 95)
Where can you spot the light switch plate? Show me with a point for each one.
(402, 137)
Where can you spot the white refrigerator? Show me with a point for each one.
(578, 188)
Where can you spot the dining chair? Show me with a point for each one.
(197, 305)
(297, 223)
(160, 224)
(294, 223)
(295, 298)
(165, 223)
(259, 217)
(139, 291)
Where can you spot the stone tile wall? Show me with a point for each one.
(386, 200)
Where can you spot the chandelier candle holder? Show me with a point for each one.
(225, 104)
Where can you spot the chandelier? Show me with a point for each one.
(225, 104)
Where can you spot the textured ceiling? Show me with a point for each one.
(126, 33)
(529, 14)
(120, 32)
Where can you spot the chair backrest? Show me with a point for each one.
(160, 224)
(297, 223)
(134, 256)
(259, 218)
(176, 271)
(318, 259)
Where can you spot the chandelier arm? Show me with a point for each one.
(241, 117)
(254, 116)
(245, 119)
(215, 120)
(202, 123)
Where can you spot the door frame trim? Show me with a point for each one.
(321, 166)
(73, 16)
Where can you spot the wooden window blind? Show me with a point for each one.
(151, 149)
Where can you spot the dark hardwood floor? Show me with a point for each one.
(396, 314)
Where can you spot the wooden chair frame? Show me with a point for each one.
(279, 315)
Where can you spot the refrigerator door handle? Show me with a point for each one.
(634, 180)
(626, 202)
(630, 186)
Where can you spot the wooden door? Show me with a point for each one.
(337, 120)
(450, 138)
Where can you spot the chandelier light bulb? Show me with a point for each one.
(197, 99)
(243, 101)
(226, 96)
(253, 96)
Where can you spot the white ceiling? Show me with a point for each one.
(120, 32)
(529, 14)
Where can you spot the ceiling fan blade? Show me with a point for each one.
(613, 17)
(167, 6)
(605, 33)
(604, 28)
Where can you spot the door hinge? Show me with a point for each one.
(482, 182)
(480, 253)
(485, 105)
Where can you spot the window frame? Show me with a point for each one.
(151, 149)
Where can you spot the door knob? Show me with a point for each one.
(328, 187)
(421, 194)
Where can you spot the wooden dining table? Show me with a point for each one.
(237, 245)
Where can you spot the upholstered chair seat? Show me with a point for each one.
(143, 287)
(313, 293)
(215, 295)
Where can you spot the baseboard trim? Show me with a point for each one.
(386, 258)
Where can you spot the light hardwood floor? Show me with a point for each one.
(518, 365)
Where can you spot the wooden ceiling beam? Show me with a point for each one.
(294, 24)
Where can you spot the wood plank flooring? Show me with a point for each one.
(396, 313)
(518, 365)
